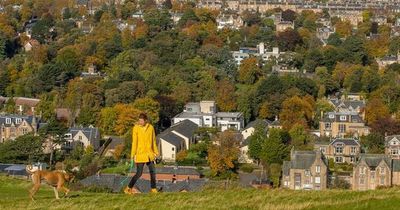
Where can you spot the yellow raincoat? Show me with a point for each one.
(144, 146)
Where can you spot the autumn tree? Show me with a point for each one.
(375, 110)
(249, 71)
(223, 153)
(296, 110)
(226, 97)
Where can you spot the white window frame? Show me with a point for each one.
(317, 180)
(318, 169)
(343, 117)
(8, 120)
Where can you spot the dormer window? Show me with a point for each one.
(343, 117)
(331, 116)
(18, 121)
(8, 120)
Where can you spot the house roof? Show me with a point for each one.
(373, 160)
(13, 117)
(256, 122)
(116, 183)
(186, 128)
(346, 141)
(390, 138)
(348, 104)
(335, 117)
(302, 159)
(396, 165)
(171, 138)
(91, 133)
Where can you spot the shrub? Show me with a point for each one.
(247, 168)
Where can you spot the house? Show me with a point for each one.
(341, 150)
(30, 44)
(345, 105)
(110, 145)
(379, 19)
(176, 138)
(375, 170)
(392, 146)
(23, 105)
(91, 72)
(250, 127)
(229, 21)
(244, 152)
(306, 170)
(13, 126)
(324, 32)
(388, 60)
(204, 114)
(260, 51)
(85, 136)
(284, 25)
(341, 124)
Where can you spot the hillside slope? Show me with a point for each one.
(14, 195)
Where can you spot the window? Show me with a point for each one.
(331, 116)
(18, 120)
(80, 137)
(328, 126)
(342, 128)
(173, 156)
(24, 131)
(173, 148)
(339, 159)
(394, 151)
(8, 120)
(307, 173)
(352, 159)
(362, 180)
(382, 170)
(362, 170)
(318, 169)
(353, 150)
(394, 143)
(382, 180)
(339, 149)
(317, 180)
(286, 183)
(342, 117)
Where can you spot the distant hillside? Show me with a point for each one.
(14, 195)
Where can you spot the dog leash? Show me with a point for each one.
(129, 171)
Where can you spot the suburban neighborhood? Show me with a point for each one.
(176, 96)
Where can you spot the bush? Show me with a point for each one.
(247, 168)
(275, 173)
(339, 183)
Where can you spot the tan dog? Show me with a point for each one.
(56, 179)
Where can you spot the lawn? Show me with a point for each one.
(14, 195)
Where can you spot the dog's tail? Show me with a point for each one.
(29, 169)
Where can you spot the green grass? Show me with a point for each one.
(14, 195)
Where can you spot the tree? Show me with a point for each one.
(288, 40)
(300, 138)
(126, 92)
(288, 15)
(343, 28)
(223, 154)
(374, 143)
(257, 141)
(127, 116)
(24, 149)
(150, 106)
(226, 98)
(296, 110)
(375, 110)
(273, 149)
(249, 72)
(53, 133)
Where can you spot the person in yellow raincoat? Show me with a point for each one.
(144, 151)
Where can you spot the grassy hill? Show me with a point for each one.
(14, 195)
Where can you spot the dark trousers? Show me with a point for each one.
(139, 171)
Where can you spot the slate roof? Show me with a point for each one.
(335, 117)
(29, 119)
(389, 138)
(373, 160)
(116, 184)
(350, 142)
(348, 104)
(254, 123)
(91, 133)
(172, 170)
(186, 128)
(396, 165)
(302, 159)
